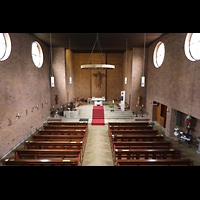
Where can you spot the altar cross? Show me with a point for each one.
(99, 75)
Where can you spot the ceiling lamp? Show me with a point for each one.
(97, 66)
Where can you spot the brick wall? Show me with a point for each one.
(22, 87)
(134, 72)
(59, 72)
(86, 84)
(176, 83)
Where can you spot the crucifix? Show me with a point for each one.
(99, 75)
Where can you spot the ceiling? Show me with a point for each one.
(110, 42)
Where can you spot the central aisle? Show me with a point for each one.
(97, 150)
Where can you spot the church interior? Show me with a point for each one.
(100, 99)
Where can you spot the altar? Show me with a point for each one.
(98, 101)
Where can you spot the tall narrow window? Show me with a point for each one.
(5, 46)
(159, 54)
(37, 54)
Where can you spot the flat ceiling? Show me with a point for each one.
(83, 42)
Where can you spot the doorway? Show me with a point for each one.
(161, 114)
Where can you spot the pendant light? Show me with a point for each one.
(70, 74)
(126, 63)
(143, 77)
(52, 77)
(97, 66)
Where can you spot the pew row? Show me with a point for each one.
(67, 124)
(39, 153)
(124, 124)
(123, 138)
(53, 145)
(42, 162)
(147, 153)
(58, 138)
(62, 132)
(155, 162)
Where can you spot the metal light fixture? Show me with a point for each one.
(143, 77)
(97, 66)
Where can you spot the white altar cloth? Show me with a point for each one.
(98, 101)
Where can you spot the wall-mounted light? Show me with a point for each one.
(52, 82)
(125, 80)
(70, 80)
(143, 81)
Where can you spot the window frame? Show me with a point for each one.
(155, 55)
(39, 65)
(7, 46)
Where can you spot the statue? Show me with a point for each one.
(57, 99)
(99, 75)
(188, 123)
(139, 100)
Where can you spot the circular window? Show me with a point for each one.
(159, 54)
(192, 46)
(5, 46)
(37, 54)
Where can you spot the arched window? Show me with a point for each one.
(37, 54)
(159, 54)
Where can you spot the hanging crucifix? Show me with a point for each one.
(99, 75)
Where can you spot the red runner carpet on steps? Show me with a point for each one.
(98, 116)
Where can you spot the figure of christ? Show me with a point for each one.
(99, 75)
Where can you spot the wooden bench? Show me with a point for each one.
(135, 132)
(147, 153)
(46, 127)
(123, 138)
(38, 153)
(143, 145)
(62, 132)
(67, 124)
(115, 128)
(128, 124)
(155, 162)
(58, 137)
(52, 145)
(42, 162)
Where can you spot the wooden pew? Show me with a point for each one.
(155, 162)
(52, 144)
(142, 145)
(123, 138)
(38, 153)
(46, 127)
(62, 132)
(135, 132)
(127, 124)
(115, 128)
(42, 162)
(147, 153)
(67, 124)
(58, 137)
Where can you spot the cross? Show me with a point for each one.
(99, 75)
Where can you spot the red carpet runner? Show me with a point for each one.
(98, 116)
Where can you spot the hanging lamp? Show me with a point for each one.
(97, 66)
(143, 77)
(52, 76)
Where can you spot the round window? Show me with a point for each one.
(192, 46)
(37, 54)
(5, 46)
(159, 54)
